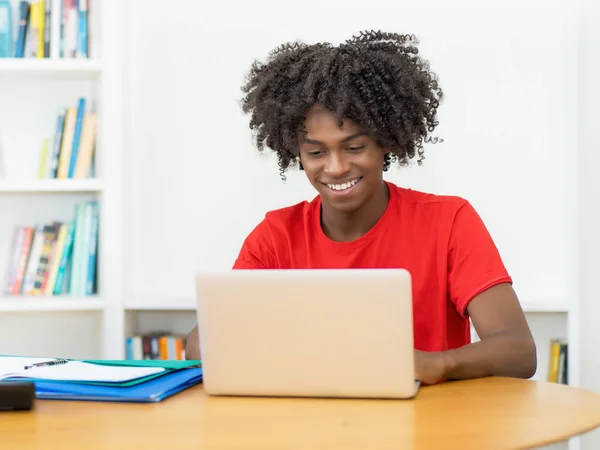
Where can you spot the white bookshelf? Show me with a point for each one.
(159, 304)
(50, 186)
(189, 304)
(32, 92)
(50, 68)
(50, 304)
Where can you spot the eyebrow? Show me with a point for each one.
(346, 139)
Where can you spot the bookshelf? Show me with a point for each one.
(34, 89)
(50, 186)
(50, 303)
(49, 68)
(185, 304)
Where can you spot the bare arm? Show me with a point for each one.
(192, 345)
(506, 347)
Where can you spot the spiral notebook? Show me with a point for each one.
(13, 368)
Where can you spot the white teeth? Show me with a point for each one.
(341, 187)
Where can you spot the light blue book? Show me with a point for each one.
(82, 43)
(23, 25)
(93, 248)
(6, 29)
(79, 259)
(77, 136)
(64, 260)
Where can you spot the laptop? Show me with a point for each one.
(345, 333)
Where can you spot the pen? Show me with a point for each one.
(47, 363)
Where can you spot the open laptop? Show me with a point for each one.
(307, 333)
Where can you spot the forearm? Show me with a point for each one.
(192, 344)
(505, 354)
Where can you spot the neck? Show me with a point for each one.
(344, 227)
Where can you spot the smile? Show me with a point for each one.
(344, 186)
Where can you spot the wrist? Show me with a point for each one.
(448, 363)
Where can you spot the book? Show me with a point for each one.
(6, 29)
(14, 368)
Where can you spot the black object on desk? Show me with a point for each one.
(16, 395)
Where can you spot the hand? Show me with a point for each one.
(430, 367)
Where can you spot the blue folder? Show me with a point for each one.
(154, 390)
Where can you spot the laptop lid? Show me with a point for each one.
(315, 333)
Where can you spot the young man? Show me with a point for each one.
(344, 114)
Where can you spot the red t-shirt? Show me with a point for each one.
(440, 240)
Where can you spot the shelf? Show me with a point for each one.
(45, 67)
(51, 303)
(160, 304)
(548, 307)
(189, 304)
(51, 185)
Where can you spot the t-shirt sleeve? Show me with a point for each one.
(474, 262)
(257, 250)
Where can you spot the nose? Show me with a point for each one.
(337, 165)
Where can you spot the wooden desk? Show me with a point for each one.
(492, 413)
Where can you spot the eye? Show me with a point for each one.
(357, 148)
(314, 152)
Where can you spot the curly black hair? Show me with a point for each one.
(376, 79)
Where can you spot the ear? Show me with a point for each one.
(388, 159)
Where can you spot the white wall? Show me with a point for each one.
(509, 121)
(503, 121)
(589, 204)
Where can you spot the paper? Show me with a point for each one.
(13, 367)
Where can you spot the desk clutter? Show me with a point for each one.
(101, 380)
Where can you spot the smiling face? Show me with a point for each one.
(343, 163)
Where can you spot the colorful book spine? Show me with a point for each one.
(159, 345)
(55, 258)
(24, 11)
(82, 43)
(56, 143)
(33, 27)
(76, 136)
(93, 249)
(64, 262)
(69, 152)
(6, 29)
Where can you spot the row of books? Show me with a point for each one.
(158, 345)
(558, 362)
(69, 153)
(26, 32)
(55, 258)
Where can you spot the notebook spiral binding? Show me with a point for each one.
(57, 361)
(53, 362)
